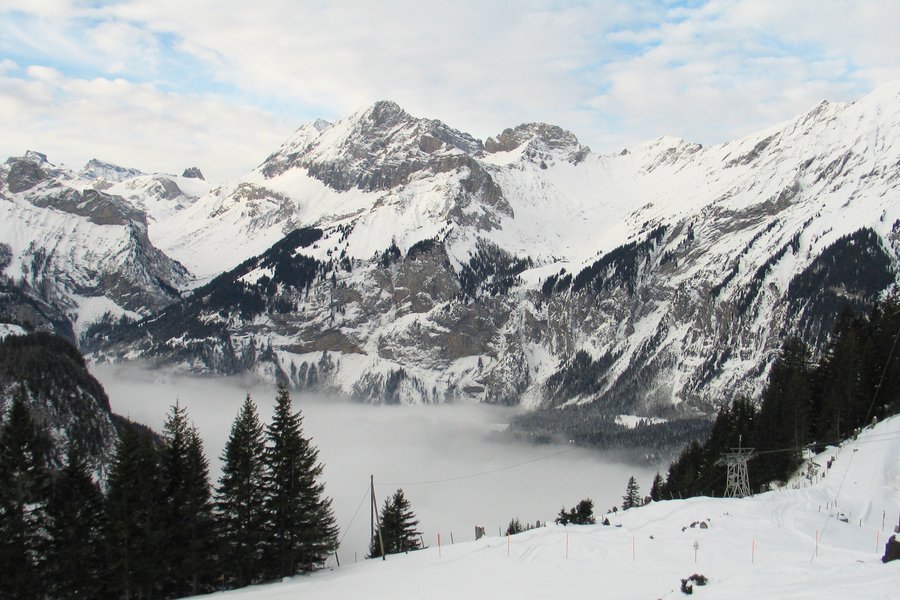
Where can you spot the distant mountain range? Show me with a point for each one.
(395, 259)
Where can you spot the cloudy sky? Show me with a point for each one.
(165, 84)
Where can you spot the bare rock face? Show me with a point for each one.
(26, 172)
(193, 172)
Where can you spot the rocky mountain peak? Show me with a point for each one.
(27, 171)
(376, 148)
(193, 173)
(35, 157)
(542, 140)
(97, 169)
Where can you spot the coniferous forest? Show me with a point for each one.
(160, 530)
(806, 405)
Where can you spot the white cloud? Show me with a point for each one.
(614, 73)
(73, 120)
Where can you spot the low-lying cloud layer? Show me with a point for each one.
(454, 468)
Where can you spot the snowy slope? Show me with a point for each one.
(760, 547)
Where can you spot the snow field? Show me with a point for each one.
(760, 547)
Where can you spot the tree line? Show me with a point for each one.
(806, 404)
(160, 529)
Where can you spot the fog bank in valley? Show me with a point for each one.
(450, 460)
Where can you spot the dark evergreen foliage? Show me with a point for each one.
(398, 527)
(783, 420)
(76, 523)
(850, 274)
(134, 513)
(581, 376)
(491, 270)
(621, 266)
(24, 490)
(186, 527)
(515, 526)
(632, 497)
(240, 498)
(390, 255)
(55, 379)
(594, 427)
(804, 405)
(656, 488)
(421, 247)
(581, 514)
(301, 529)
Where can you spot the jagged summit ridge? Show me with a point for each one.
(376, 148)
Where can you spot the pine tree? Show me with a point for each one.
(76, 562)
(134, 513)
(632, 497)
(398, 527)
(302, 531)
(199, 511)
(240, 497)
(581, 514)
(24, 491)
(186, 526)
(514, 527)
(656, 488)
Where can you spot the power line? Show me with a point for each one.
(365, 495)
(480, 473)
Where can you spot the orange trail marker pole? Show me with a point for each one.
(877, 540)
(439, 545)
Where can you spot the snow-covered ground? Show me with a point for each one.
(760, 547)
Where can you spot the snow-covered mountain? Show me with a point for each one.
(428, 266)
(74, 247)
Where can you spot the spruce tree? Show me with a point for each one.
(656, 488)
(240, 497)
(199, 510)
(302, 531)
(24, 491)
(398, 527)
(583, 513)
(185, 528)
(76, 562)
(134, 503)
(632, 497)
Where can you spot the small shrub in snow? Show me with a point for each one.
(687, 585)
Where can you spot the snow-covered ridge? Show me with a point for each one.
(483, 271)
(75, 246)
